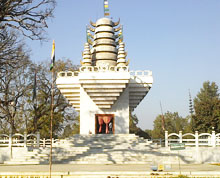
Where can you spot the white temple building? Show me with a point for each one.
(104, 91)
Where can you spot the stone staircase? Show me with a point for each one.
(97, 149)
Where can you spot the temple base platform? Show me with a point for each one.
(108, 149)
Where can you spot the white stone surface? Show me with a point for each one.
(98, 90)
(110, 149)
(104, 85)
(88, 109)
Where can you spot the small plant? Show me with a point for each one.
(182, 176)
(216, 164)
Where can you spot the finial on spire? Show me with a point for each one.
(106, 9)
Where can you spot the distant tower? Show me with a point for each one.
(104, 90)
(191, 111)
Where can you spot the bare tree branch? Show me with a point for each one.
(29, 17)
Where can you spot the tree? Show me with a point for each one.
(71, 129)
(12, 51)
(207, 108)
(39, 110)
(20, 111)
(173, 124)
(191, 112)
(133, 128)
(26, 16)
(13, 87)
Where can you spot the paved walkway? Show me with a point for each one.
(69, 169)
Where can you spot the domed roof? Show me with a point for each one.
(104, 21)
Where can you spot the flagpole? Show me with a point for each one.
(163, 120)
(51, 121)
(52, 103)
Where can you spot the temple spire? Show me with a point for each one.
(121, 55)
(87, 60)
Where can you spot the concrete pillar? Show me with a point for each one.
(38, 139)
(213, 139)
(180, 137)
(197, 139)
(44, 142)
(10, 140)
(25, 139)
(166, 138)
(52, 141)
(10, 144)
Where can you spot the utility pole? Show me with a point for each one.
(162, 117)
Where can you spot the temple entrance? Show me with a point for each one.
(104, 124)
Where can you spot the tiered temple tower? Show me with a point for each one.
(104, 90)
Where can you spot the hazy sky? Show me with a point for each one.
(179, 40)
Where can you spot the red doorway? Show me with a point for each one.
(104, 124)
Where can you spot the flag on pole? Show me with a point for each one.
(163, 123)
(162, 118)
(52, 56)
(106, 9)
(35, 86)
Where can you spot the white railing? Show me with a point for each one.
(138, 73)
(104, 68)
(25, 140)
(190, 139)
(141, 73)
(158, 141)
(93, 69)
(67, 74)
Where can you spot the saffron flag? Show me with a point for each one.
(52, 56)
(106, 8)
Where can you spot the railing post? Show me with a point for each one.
(166, 138)
(44, 142)
(10, 140)
(38, 139)
(213, 139)
(25, 139)
(10, 144)
(180, 137)
(197, 139)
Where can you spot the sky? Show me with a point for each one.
(178, 40)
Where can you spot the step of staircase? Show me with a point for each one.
(96, 149)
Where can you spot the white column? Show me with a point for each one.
(213, 139)
(197, 138)
(44, 142)
(38, 139)
(10, 140)
(166, 138)
(180, 137)
(25, 139)
(52, 141)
